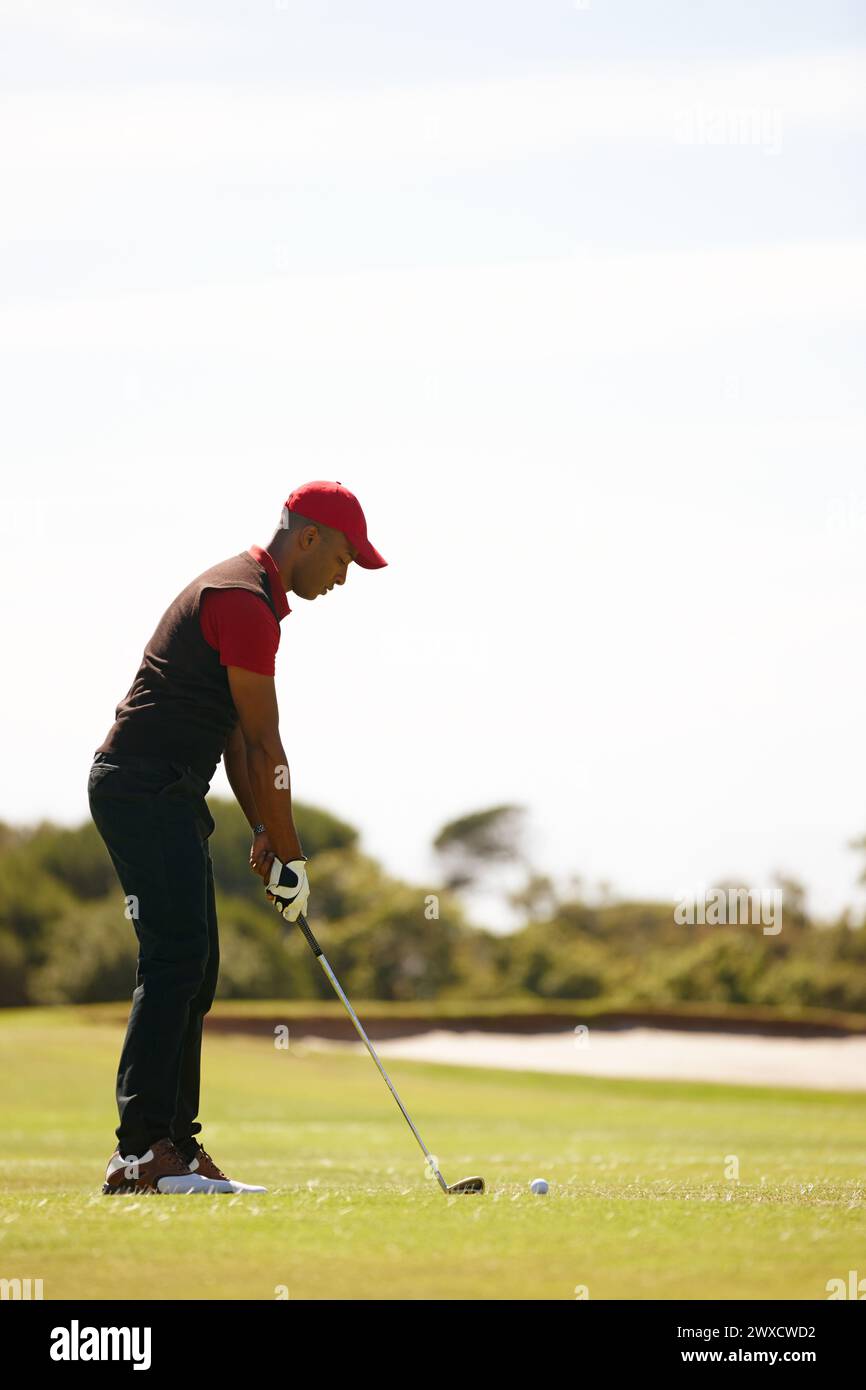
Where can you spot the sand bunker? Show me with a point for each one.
(826, 1064)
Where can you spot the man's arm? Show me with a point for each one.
(235, 762)
(255, 699)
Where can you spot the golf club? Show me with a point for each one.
(465, 1184)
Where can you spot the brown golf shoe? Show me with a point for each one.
(201, 1164)
(160, 1170)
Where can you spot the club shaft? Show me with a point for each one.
(338, 989)
(323, 961)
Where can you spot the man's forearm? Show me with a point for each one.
(237, 771)
(270, 786)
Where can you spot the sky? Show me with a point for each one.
(570, 295)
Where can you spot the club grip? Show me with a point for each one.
(311, 940)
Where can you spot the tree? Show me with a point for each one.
(536, 898)
(472, 844)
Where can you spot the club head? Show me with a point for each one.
(466, 1185)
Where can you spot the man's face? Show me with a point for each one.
(329, 557)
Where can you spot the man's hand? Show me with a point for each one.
(287, 888)
(261, 855)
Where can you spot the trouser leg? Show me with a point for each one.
(156, 844)
(185, 1123)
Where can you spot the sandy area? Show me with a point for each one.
(826, 1064)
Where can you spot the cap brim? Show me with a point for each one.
(369, 558)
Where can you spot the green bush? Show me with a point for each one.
(92, 958)
(14, 981)
(231, 839)
(31, 900)
(74, 857)
(259, 961)
(394, 951)
(64, 937)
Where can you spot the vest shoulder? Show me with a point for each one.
(242, 566)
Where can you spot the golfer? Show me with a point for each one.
(204, 691)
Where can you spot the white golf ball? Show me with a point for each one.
(538, 1186)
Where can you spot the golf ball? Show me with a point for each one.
(538, 1186)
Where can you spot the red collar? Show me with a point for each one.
(278, 593)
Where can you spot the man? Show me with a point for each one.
(204, 690)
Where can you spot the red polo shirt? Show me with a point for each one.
(240, 626)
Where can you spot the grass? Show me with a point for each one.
(640, 1205)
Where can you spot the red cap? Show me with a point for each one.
(334, 505)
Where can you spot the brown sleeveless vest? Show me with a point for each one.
(179, 706)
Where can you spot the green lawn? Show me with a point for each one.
(639, 1205)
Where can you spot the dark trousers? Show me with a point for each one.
(154, 820)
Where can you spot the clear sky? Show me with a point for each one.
(572, 296)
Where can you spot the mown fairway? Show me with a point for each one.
(639, 1205)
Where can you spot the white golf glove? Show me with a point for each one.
(287, 888)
